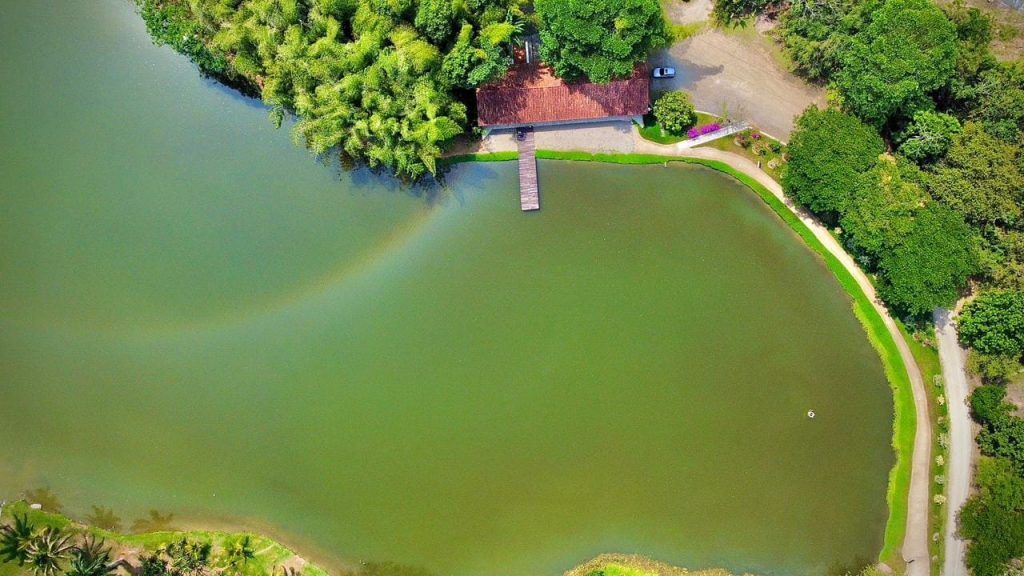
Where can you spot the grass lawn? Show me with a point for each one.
(653, 132)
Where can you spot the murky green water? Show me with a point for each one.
(196, 316)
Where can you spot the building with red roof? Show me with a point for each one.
(531, 95)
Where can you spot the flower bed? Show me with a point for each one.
(702, 130)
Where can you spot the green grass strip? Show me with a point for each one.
(905, 417)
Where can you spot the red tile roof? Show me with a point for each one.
(533, 94)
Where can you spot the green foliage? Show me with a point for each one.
(993, 519)
(90, 558)
(733, 12)
(932, 263)
(372, 80)
(889, 67)
(993, 323)
(434, 19)
(1004, 438)
(619, 570)
(928, 136)
(994, 368)
(15, 539)
(675, 112)
(988, 404)
(827, 153)
(884, 202)
(170, 23)
(812, 32)
(997, 101)
(974, 33)
(980, 178)
(47, 550)
(599, 39)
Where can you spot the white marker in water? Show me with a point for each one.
(810, 413)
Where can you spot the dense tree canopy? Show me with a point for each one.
(889, 67)
(980, 178)
(375, 79)
(994, 518)
(928, 136)
(993, 323)
(884, 202)
(599, 39)
(932, 263)
(827, 153)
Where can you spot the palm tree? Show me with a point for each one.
(240, 550)
(14, 540)
(91, 558)
(104, 518)
(47, 550)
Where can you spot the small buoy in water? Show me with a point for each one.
(810, 413)
(36, 506)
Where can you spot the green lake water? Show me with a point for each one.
(197, 316)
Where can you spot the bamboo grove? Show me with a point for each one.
(384, 82)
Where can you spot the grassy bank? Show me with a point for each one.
(268, 557)
(904, 419)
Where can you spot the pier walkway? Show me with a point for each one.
(529, 190)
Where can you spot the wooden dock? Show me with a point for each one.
(529, 190)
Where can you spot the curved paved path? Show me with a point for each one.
(961, 438)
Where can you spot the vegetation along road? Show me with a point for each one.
(961, 441)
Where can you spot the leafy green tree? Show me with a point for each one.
(928, 136)
(812, 32)
(993, 323)
(884, 202)
(988, 404)
(993, 368)
(979, 177)
(1004, 438)
(974, 34)
(15, 539)
(997, 101)
(434, 19)
(827, 153)
(889, 67)
(674, 112)
(993, 519)
(932, 263)
(599, 39)
(47, 551)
